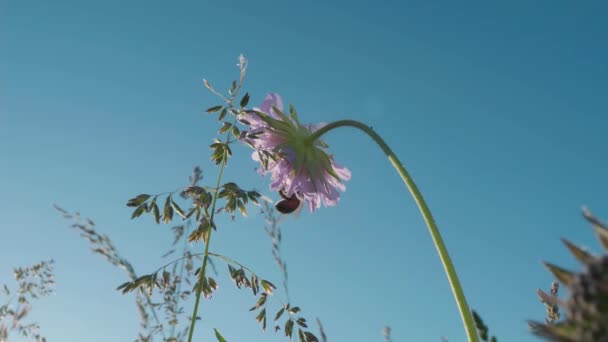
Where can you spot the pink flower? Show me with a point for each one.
(298, 166)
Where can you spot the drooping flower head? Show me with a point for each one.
(299, 166)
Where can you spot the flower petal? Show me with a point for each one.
(297, 167)
(271, 99)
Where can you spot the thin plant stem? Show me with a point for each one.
(199, 288)
(232, 261)
(201, 277)
(463, 307)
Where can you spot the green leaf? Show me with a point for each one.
(279, 314)
(310, 337)
(293, 114)
(225, 127)
(232, 87)
(264, 323)
(212, 283)
(208, 285)
(289, 328)
(192, 211)
(228, 151)
(566, 277)
(202, 232)
(122, 286)
(168, 210)
(255, 285)
(236, 132)
(242, 208)
(214, 109)
(179, 210)
(245, 100)
(259, 303)
(231, 270)
(156, 212)
(562, 331)
(140, 210)
(268, 286)
(253, 196)
(579, 253)
(219, 336)
(261, 315)
(221, 150)
(601, 230)
(138, 200)
(302, 322)
(222, 115)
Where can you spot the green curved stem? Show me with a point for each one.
(465, 312)
(199, 288)
(232, 261)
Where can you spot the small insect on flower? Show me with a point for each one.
(289, 204)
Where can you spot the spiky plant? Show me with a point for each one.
(586, 309)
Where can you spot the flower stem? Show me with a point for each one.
(201, 277)
(465, 312)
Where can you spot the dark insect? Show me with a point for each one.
(289, 204)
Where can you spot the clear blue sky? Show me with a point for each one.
(498, 109)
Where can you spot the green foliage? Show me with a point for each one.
(233, 196)
(221, 151)
(242, 280)
(244, 101)
(237, 198)
(204, 203)
(219, 336)
(214, 109)
(482, 329)
(586, 309)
